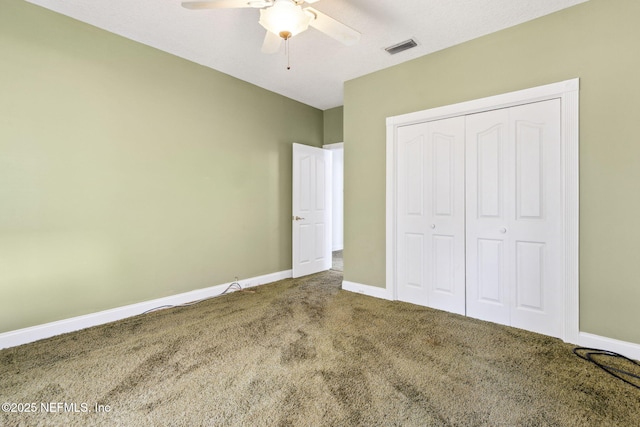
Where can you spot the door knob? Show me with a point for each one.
(297, 218)
(503, 230)
(433, 226)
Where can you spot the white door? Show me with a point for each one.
(430, 219)
(514, 217)
(311, 214)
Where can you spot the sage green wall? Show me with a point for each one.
(333, 125)
(596, 41)
(128, 174)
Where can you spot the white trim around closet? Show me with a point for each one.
(567, 92)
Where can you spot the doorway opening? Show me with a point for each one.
(337, 213)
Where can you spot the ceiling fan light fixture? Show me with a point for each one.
(285, 18)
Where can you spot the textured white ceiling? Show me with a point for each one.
(229, 40)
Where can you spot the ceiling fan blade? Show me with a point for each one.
(333, 28)
(215, 4)
(271, 43)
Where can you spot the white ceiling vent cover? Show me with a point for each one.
(399, 47)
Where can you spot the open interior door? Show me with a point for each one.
(311, 216)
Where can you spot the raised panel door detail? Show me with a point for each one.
(306, 163)
(530, 275)
(443, 264)
(443, 170)
(414, 244)
(414, 176)
(305, 236)
(529, 170)
(489, 181)
(490, 271)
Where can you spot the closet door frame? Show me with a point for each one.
(568, 93)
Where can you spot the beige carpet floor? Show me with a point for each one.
(302, 352)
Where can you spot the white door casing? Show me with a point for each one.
(514, 217)
(311, 213)
(568, 262)
(431, 214)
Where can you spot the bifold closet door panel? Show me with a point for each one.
(536, 276)
(488, 212)
(430, 205)
(514, 217)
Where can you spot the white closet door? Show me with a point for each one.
(514, 217)
(487, 215)
(430, 249)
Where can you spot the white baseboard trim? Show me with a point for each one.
(372, 291)
(628, 349)
(47, 330)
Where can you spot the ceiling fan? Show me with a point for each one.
(284, 19)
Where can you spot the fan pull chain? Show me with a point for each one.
(287, 50)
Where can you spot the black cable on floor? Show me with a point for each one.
(589, 355)
(234, 285)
